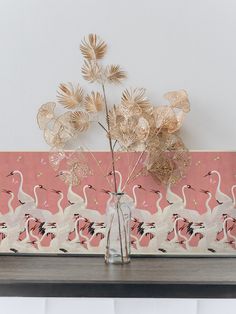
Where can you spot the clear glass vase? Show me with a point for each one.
(118, 216)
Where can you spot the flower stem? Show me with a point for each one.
(113, 170)
(109, 138)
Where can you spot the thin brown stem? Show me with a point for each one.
(113, 168)
(134, 168)
(103, 126)
(109, 138)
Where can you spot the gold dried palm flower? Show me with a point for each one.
(93, 47)
(45, 114)
(92, 72)
(80, 121)
(135, 97)
(131, 133)
(69, 96)
(114, 74)
(179, 99)
(115, 117)
(94, 102)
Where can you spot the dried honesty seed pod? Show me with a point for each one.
(45, 114)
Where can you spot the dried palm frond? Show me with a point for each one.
(131, 133)
(179, 99)
(134, 97)
(115, 118)
(80, 121)
(134, 102)
(93, 47)
(45, 114)
(69, 96)
(94, 102)
(92, 72)
(114, 74)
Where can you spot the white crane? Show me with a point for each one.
(31, 208)
(180, 208)
(76, 208)
(72, 197)
(119, 188)
(25, 245)
(142, 215)
(22, 196)
(221, 197)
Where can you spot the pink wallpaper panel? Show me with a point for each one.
(40, 213)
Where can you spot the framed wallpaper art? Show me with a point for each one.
(42, 213)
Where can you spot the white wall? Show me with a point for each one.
(163, 44)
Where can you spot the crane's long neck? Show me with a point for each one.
(184, 197)
(11, 210)
(134, 196)
(207, 203)
(60, 209)
(158, 203)
(225, 231)
(85, 196)
(136, 240)
(176, 231)
(233, 194)
(120, 181)
(87, 239)
(36, 196)
(21, 179)
(27, 231)
(77, 234)
(219, 179)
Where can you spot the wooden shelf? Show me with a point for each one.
(157, 277)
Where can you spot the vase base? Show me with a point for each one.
(116, 259)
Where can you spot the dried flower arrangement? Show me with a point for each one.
(134, 124)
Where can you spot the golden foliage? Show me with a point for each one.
(93, 47)
(92, 72)
(69, 96)
(80, 121)
(94, 102)
(45, 114)
(114, 74)
(135, 123)
(60, 131)
(135, 97)
(179, 99)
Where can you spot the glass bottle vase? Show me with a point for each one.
(118, 216)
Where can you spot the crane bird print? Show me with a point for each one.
(46, 209)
